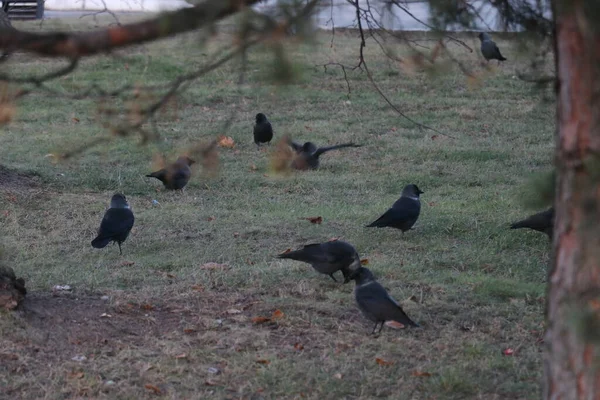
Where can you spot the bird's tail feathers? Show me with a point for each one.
(100, 242)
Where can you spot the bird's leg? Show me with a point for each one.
(333, 277)
(375, 328)
(120, 251)
(381, 327)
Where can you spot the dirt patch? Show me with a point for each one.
(12, 180)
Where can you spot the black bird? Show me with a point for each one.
(541, 222)
(404, 212)
(307, 155)
(176, 175)
(328, 258)
(263, 131)
(489, 49)
(116, 224)
(375, 302)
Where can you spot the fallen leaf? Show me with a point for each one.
(210, 219)
(333, 239)
(277, 314)
(76, 375)
(75, 119)
(189, 330)
(508, 352)
(287, 251)
(394, 129)
(313, 220)
(260, 320)
(213, 265)
(265, 362)
(236, 234)
(434, 137)
(233, 311)
(180, 356)
(364, 261)
(170, 276)
(308, 128)
(381, 361)
(226, 141)
(209, 383)
(298, 346)
(198, 288)
(147, 307)
(105, 315)
(420, 373)
(432, 204)
(253, 167)
(394, 324)
(337, 376)
(127, 263)
(153, 388)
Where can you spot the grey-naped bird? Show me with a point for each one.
(116, 224)
(176, 175)
(328, 258)
(541, 222)
(263, 131)
(307, 155)
(404, 212)
(489, 49)
(375, 302)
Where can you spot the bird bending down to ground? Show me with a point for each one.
(489, 49)
(263, 131)
(404, 212)
(116, 224)
(541, 222)
(307, 155)
(375, 302)
(176, 175)
(328, 258)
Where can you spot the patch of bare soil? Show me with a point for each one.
(11, 180)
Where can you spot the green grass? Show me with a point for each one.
(477, 287)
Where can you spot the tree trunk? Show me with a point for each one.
(571, 361)
(4, 21)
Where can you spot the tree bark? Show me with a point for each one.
(571, 361)
(4, 21)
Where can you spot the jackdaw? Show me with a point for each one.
(263, 131)
(328, 258)
(404, 212)
(541, 222)
(116, 224)
(489, 49)
(375, 302)
(308, 154)
(176, 175)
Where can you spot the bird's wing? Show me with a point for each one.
(374, 298)
(322, 150)
(337, 253)
(160, 174)
(497, 51)
(539, 222)
(116, 221)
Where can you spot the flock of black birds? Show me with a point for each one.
(330, 257)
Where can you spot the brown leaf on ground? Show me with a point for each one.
(153, 388)
(421, 373)
(181, 356)
(260, 320)
(364, 261)
(381, 361)
(394, 325)
(314, 220)
(226, 141)
(127, 263)
(298, 346)
(76, 375)
(277, 314)
(265, 362)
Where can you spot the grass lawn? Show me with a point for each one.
(160, 321)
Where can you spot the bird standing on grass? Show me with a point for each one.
(176, 175)
(328, 258)
(541, 222)
(375, 303)
(489, 49)
(307, 155)
(116, 224)
(263, 131)
(404, 212)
